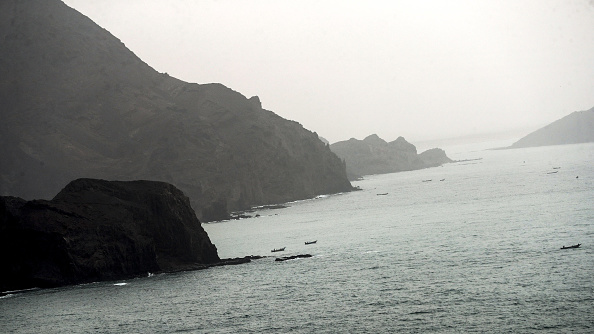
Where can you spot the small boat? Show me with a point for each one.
(278, 249)
(574, 246)
(382, 194)
(310, 242)
(555, 172)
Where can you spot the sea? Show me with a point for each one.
(473, 246)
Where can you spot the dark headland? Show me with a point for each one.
(76, 103)
(374, 155)
(95, 230)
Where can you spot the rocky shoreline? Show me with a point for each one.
(223, 262)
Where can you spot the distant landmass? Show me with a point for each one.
(374, 155)
(577, 127)
(76, 103)
(99, 230)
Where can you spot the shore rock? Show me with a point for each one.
(292, 257)
(97, 230)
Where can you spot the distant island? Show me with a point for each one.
(374, 155)
(577, 127)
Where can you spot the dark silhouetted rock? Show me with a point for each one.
(236, 260)
(577, 127)
(99, 230)
(292, 257)
(77, 103)
(374, 155)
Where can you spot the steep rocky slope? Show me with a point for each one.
(374, 155)
(96, 230)
(577, 127)
(77, 103)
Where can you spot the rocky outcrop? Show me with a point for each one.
(99, 230)
(76, 103)
(374, 155)
(292, 257)
(577, 127)
(434, 157)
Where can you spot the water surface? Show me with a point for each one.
(476, 252)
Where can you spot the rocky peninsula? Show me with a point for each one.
(374, 155)
(96, 230)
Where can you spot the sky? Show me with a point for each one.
(424, 70)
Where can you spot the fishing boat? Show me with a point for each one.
(278, 249)
(574, 246)
(310, 242)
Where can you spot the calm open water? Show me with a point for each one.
(476, 252)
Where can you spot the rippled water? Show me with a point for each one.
(476, 252)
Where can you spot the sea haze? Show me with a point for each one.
(472, 246)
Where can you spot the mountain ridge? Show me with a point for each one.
(79, 104)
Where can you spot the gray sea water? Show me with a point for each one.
(476, 249)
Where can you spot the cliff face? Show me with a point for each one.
(374, 155)
(77, 103)
(98, 230)
(577, 127)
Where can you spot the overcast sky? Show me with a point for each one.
(418, 69)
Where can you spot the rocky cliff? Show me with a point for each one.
(577, 127)
(374, 155)
(76, 103)
(99, 230)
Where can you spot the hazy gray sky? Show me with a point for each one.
(419, 69)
